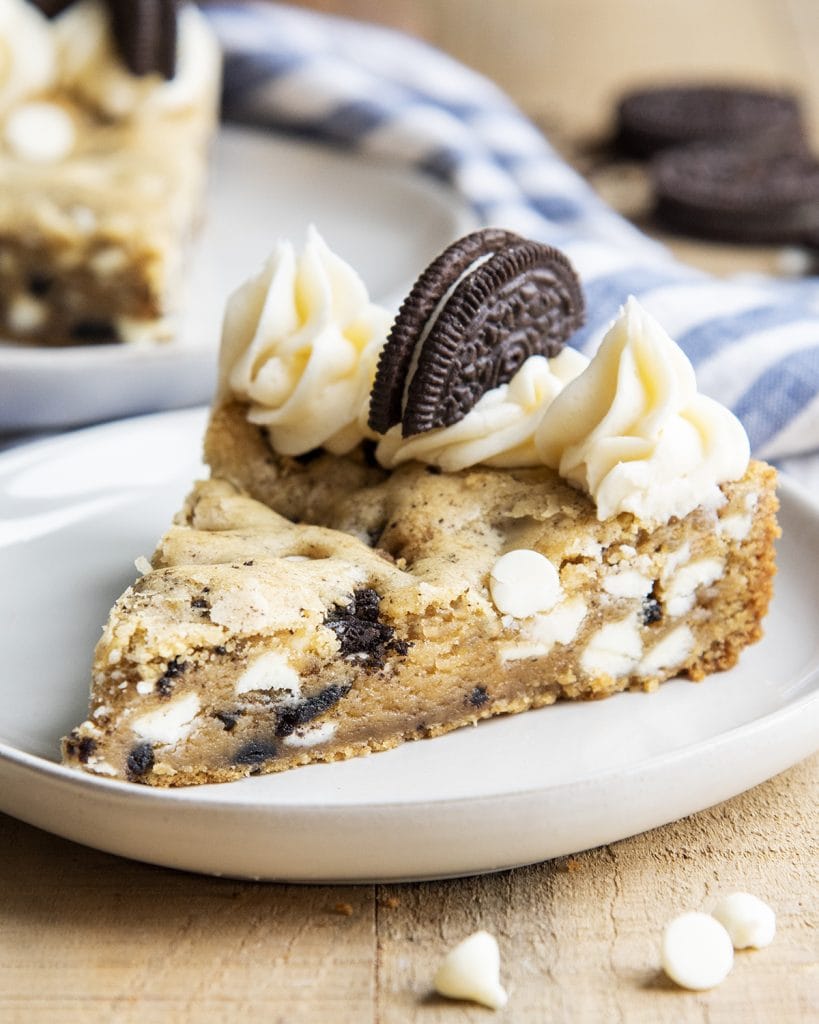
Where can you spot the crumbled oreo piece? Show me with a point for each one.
(165, 684)
(228, 718)
(146, 35)
(255, 753)
(650, 120)
(94, 332)
(81, 747)
(478, 697)
(651, 611)
(39, 285)
(86, 748)
(745, 194)
(362, 636)
(472, 319)
(140, 761)
(290, 717)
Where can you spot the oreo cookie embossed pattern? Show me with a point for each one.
(472, 319)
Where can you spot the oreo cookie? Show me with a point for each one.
(146, 35)
(51, 8)
(486, 304)
(651, 120)
(742, 194)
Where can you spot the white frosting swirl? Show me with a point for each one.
(499, 430)
(633, 432)
(300, 344)
(91, 65)
(28, 62)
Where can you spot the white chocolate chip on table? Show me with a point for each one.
(749, 921)
(472, 971)
(697, 951)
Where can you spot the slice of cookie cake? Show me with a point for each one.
(403, 537)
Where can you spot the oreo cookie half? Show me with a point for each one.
(145, 32)
(51, 8)
(744, 194)
(653, 119)
(486, 304)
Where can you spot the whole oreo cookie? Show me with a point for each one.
(744, 194)
(654, 119)
(475, 315)
(145, 33)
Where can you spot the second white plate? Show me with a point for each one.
(386, 221)
(74, 514)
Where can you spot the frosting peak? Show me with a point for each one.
(500, 428)
(300, 345)
(633, 432)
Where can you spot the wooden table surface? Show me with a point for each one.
(84, 935)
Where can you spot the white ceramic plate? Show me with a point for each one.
(74, 514)
(386, 221)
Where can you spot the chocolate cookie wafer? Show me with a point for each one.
(744, 194)
(650, 120)
(472, 319)
(145, 32)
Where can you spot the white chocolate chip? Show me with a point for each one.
(170, 723)
(142, 565)
(42, 133)
(680, 592)
(108, 261)
(697, 951)
(544, 631)
(25, 314)
(670, 652)
(144, 687)
(675, 559)
(311, 736)
(524, 582)
(734, 527)
(271, 671)
(627, 583)
(615, 649)
(472, 971)
(749, 921)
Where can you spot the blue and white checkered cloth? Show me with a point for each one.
(754, 342)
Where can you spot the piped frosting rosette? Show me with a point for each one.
(305, 348)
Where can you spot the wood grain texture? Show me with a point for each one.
(579, 936)
(84, 934)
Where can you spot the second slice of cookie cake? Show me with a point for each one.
(499, 525)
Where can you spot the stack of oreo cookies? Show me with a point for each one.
(726, 163)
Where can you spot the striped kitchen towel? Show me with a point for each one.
(754, 342)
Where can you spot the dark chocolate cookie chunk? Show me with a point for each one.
(396, 359)
(744, 194)
(653, 119)
(362, 636)
(472, 319)
(145, 33)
